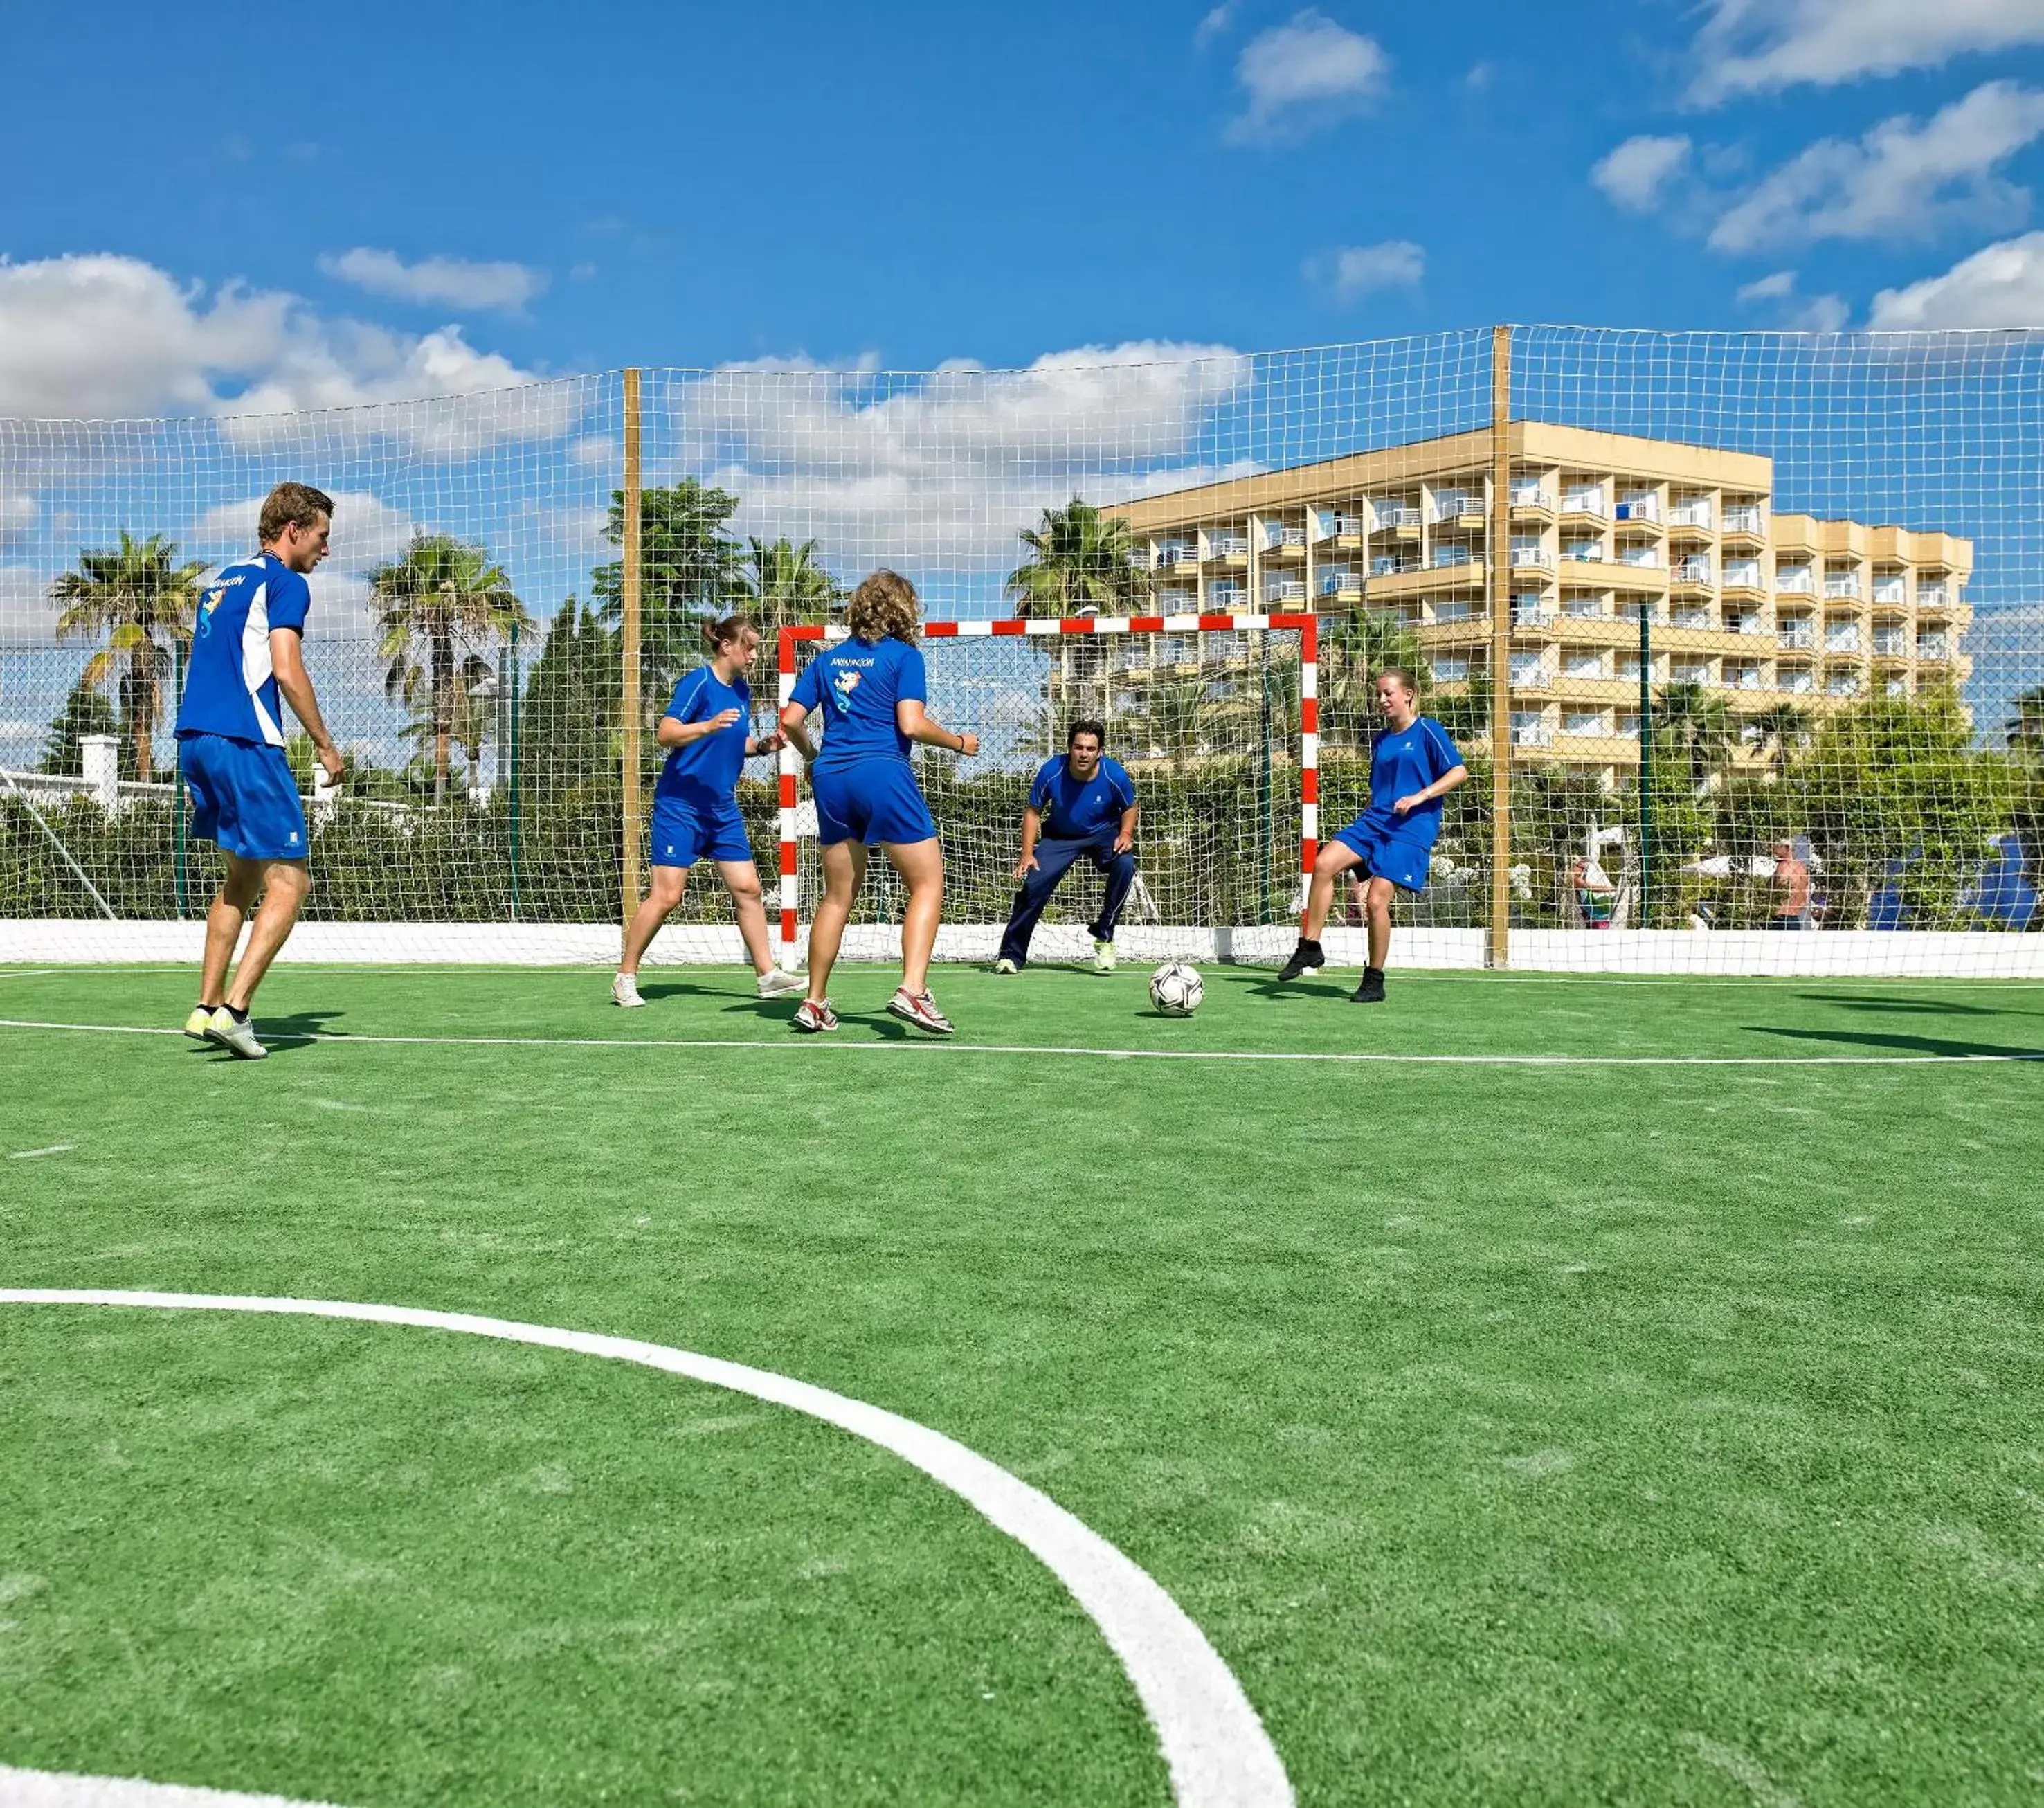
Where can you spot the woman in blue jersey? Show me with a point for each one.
(707, 732)
(870, 692)
(1413, 765)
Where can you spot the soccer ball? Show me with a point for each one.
(1176, 989)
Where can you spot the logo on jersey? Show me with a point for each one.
(212, 600)
(842, 684)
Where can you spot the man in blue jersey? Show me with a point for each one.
(1413, 765)
(1084, 803)
(246, 652)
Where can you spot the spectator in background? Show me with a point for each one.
(1595, 895)
(1791, 887)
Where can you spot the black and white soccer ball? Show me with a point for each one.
(1176, 989)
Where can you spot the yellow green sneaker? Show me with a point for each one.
(198, 1022)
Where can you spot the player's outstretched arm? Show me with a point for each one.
(918, 724)
(287, 660)
(1124, 835)
(793, 716)
(674, 732)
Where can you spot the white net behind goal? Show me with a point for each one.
(1749, 623)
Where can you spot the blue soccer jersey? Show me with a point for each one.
(231, 689)
(855, 686)
(1402, 761)
(1076, 810)
(704, 772)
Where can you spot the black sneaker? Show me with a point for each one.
(1371, 991)
(1306, 958)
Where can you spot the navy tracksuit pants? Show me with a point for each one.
(1053, 860)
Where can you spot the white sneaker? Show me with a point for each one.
(1004, 965)
(921, 1009)
(813, 1019)
(1103, 957)
(239, 1039)
(624, 991)
(777, 982)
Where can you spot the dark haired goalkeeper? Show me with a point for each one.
(1082, 805)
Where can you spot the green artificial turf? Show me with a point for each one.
(1542, 1433)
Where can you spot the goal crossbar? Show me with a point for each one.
(793, 640)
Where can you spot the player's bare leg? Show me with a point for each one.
(285, 884)
(741, 879)
(663, 893)
(844, 870)
(1376, 905)
(921, 866)
(229, 910)
(1332, 861)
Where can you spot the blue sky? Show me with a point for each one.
(209, 215)
(690, 185)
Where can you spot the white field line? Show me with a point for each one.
(1216, 1749)
(51, 1789)
(25, 973)
(53, 1148)
(893, 1046)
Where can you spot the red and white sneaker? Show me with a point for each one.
(921, 1009)
(813, 1019)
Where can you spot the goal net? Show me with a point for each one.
(1214, 716)
(1739, 633)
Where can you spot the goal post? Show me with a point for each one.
(1215, 715)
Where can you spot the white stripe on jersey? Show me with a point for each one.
(256, 668)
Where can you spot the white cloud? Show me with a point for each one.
(433, 281)
(1821, 314)
(1303, 74)
(1902, 180)
(1758, 44)
(1350, 271)
(1216, 21)
(938, 473)
(18, 513)
(2002, 286)
(100, 336)
(367, 531)
(1634, 173)
(1775, 288)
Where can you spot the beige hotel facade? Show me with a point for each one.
(1761, 608)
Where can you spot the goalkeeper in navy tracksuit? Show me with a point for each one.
(1082, 804)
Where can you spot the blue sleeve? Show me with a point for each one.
(1124, 786)
(289, 600)
(686, 694)
(1446, 758)
(911, 685)
(1040, 790)
(809, 691)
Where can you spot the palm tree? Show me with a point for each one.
(2025, 728)
(1698, 727)
(784, 586)
(144, 601)
(1786, 729)
(1174, 711)
(1079, 559)
(441, 599)
(1354, 648)
(473, 720)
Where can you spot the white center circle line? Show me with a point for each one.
(1213, 1744)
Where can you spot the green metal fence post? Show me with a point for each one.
(177, 789)
(511, 741)
(1646, 761)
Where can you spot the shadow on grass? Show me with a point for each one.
(1900, 1043)
(282, 1035)
(736, 1002)
(1902, 1007)
(1266, 985)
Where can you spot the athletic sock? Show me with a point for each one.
(239, 1016)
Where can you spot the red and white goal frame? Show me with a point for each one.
(1305, 626)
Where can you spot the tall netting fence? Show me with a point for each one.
(1755, 618)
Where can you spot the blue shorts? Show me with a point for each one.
(684, 833)
(1404, 861)
(873, 801)
(243, 798)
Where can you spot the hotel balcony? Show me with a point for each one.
(1795, 680)
(1744, 526)
(1285, 593)
(1691, 616)
(1891, 592)
(1795, 581)
(1746, 625)
(1630, 573)
(1176, 552)
(1890, 643)
(1844, 683)
(1282, 542)
(1338, 584)
(1840, 586)
(1457, 508)
(1690, 520)
(1227, 549)
(1796, 634)
(1179, 602)
(1842, 642)
(1338, 529)
(1399, 518)
(1692, 574)
(1531, 503)
(1933, 598)
(1932, 647)
(1640, 515)
(1584, 505)
(1744, 580)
